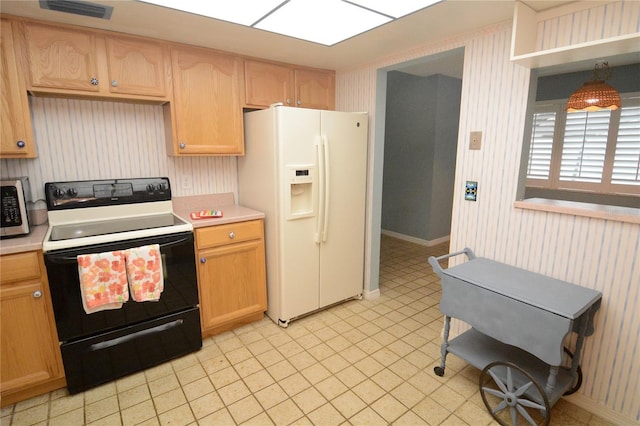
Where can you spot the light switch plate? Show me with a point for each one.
(475, 140)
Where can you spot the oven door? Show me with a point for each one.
(180, 287)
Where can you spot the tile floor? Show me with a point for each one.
(359, 363)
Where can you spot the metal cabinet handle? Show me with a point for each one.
(21, 144)
(183, 145)
(203, 260)
(288, 101)
(299, 102)
(37, 294)
(114, 83)
(232, 235)
(94, 81)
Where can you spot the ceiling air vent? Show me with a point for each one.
(78, 8)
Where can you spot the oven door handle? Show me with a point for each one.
(136, 335)
(61, 258)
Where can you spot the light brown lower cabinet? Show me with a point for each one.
(231, 275)
(31, 363)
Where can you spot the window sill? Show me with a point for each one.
(621, 214)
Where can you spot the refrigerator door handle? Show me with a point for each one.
(319, 163)
(327, 186)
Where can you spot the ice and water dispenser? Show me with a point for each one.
(299, 191)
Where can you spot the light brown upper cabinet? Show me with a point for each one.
(76, 62)
(17, 135)
(268, 83)
(205, 116)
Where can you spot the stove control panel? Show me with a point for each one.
(105, 192)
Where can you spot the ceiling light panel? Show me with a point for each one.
(395, 8)
(244, 12)
(326, 22)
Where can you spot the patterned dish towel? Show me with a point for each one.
(103, 281)
(144, 270)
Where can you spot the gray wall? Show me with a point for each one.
(421, 134)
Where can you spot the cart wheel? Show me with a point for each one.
(578, 383)
(504, 385)
(439, 371)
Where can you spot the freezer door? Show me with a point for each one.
(297, 134)
(342, 241)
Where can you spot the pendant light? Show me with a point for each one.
(595, 95)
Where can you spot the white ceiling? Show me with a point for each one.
(437, 22)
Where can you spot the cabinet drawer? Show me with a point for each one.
(228, 234)
(20, 267)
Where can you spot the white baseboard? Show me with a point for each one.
(599, 410)
(371, 294)
(415, 240)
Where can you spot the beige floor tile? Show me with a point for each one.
(269, 357)
(185, 361)
(206, 405)
(190, 374)
(351, 376)
(195, 390)
(369, 366)
(448, 398)
(261, 419)
(454, 420)
(369, 345)
(245, 409)
(335, 363)
(158, 371)
(473, 414)
(401, 348)
(31, 415)
(285, 413)
(224, 377)
(331, 387)
(338, 343)
(409, 419)
(220, 417)
(302, 360)
(178, 416)
(315, 373)
(102, 408)
(138, 413)
(215, 364)
(99, 393)
(74, 417)
(112, 420)
(238, 355)
(309, 399)
(367, 417)
(321, 351)
(169, 401)
(133, 396)
(271, 396)
(294, 384)
(348, 404)
(281, 370)
(260, 346)
(368, 391)
(404, 369)
(248, 367)
(389, 408)
(387, 379)
(233, 392)
(131, 381)
(164, 384)
(63, 405)
(258, 380)
(326, 415)
(430, 411)
(407, 394)
(290, 349)
(308, 341)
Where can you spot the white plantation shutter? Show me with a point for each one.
(626, 162)
(584, 146)
(541, 145)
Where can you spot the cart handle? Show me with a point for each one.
(433, 261)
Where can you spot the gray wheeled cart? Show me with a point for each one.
(519, 321)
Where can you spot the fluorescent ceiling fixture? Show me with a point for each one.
(320, 21)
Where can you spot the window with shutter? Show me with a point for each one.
(626, 163)
(584, 146)
(541, 145)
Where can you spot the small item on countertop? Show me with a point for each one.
(206, 214)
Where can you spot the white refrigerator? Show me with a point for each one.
(306, 170)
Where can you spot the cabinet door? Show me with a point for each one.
(315, 89)
(207, 109)
(16, 133)
(136, 67)
(232, 282)
(29, 354)
(266, 84)
(61, 58)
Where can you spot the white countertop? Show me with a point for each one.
(182, 206)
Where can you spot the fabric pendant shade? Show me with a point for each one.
(594, 95)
